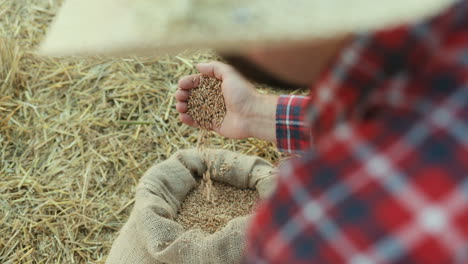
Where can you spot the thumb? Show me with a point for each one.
(215, 69)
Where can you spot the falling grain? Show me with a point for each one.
(206, 106)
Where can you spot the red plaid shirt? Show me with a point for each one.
(387, 178)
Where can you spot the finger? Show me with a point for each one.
(216, 129)
(188, 120)
(215, 69)
(182, 95)
(189, 82)
(181, 107)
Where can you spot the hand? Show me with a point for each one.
(249, 114)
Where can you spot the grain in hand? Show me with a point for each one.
(206, 103)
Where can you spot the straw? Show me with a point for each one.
(76, 135)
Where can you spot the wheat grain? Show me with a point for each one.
(206, 103)
(207, 107)
(231, 202)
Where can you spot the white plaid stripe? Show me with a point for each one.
(348, 59)
(289, 122)
(296, 224)
(396, 96)
(411, 197)
(390, 178)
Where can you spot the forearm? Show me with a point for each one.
(261, 123)
(280, 120)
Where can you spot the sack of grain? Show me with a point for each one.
(152, 235)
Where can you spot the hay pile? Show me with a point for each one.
(76, 136)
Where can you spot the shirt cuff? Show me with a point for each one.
(293, 135)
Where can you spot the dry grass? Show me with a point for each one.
(75, 137)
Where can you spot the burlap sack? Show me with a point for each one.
(152, 236)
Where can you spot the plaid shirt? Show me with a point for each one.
(387, 178)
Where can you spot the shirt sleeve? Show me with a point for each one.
(293, 135)
(386, 180)
(372, 193)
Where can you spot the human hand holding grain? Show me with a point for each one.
(248, 113)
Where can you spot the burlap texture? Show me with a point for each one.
(152, 236)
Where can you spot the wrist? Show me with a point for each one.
(261, 122)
